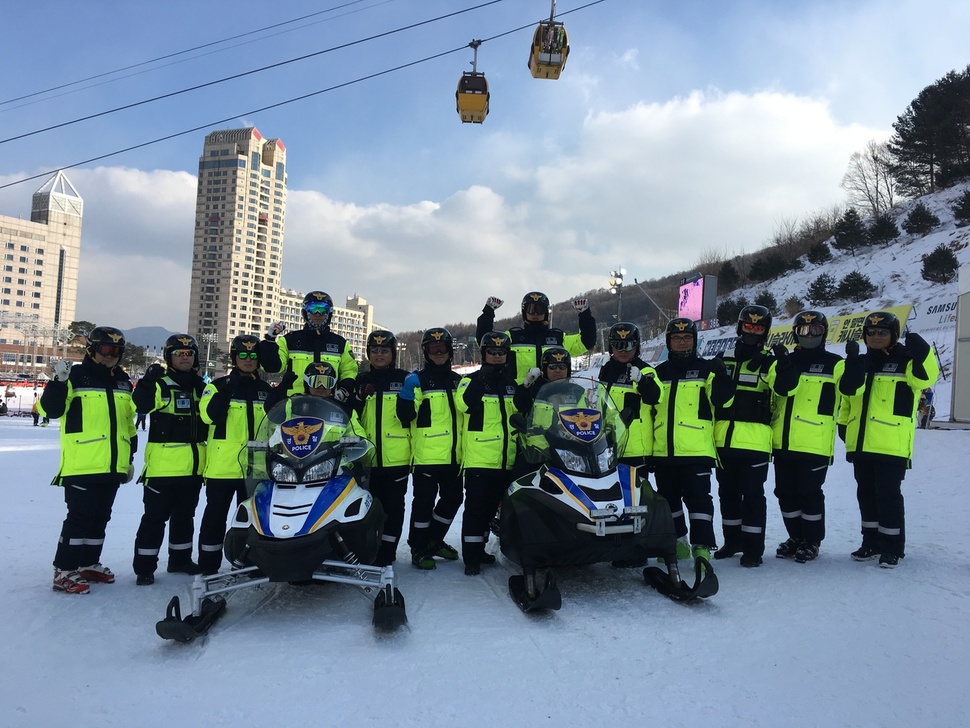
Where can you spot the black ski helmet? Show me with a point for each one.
(496, 340)
(106, 335)
(317, 297)
(382, 337)
(883, 320)
(756, 317)
(433, 336)
(809, 325)
(320, 375)
(556, 355)
(536, 302)
(624, 336)
(243, 342)
(180, 341)
(680, 326)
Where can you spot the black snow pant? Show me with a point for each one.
(430, 521)
(688, 484)
(744, 509)
(389, 486)
(484, 488)
(212, 530)
(879, 491)
(82, 534)
(170, 500)
(798, 488)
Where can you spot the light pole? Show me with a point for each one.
(616, 288)
(402, 348)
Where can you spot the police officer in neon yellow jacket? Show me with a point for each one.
(428, 405)
(621, 375)
(376, 404)
(98, 442)
(881, 390)
(535, 336)
(803, 426)
(174, 458)
(487, 397)
(233, 407)
(315, 342)
(683, 424)
(742, 435)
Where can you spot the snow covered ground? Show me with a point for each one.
(829, 643)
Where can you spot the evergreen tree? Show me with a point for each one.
(856, 286)
(930, 146)
(920, 220)
(768, 266)
(728, 278)
(941, 265)
(766, 299)
(883, 229)
(729, 308)
(961, 208)
(850, 233)
(822, 290)
(819, 253)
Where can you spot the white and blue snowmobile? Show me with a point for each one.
(580, 506)
(308, 518)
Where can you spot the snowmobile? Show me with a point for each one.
(307, 519)
(580, 506)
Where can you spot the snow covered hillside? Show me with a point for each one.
(832, 642)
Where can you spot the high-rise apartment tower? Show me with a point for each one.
(238, 252)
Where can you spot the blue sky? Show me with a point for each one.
(677, 128)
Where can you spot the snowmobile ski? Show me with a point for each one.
(173, 627)
(670, 584)
(389, 612)
(524, 591)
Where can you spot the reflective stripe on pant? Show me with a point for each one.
(389, 486)
(430, 521)
(744, 509)
(483, 494)
(688, 485)
(798, 488)
(82, 534)
(212, 531)
(173, 501)
(880, 496)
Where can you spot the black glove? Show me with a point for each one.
(780, 352)
(917, 346)
(627, 415)
(841, 429)
(718, 367)
(852, 349)
(154, 373)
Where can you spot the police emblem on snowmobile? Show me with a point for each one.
(301, 436)
(583, 424)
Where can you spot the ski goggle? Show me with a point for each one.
(109, 350)
(558, 366)
(320, 381)
(183, 352)
(496, 352)
(437, 347)
(876, 331)
(317, 308)
(243, 355)
(810, 330)
(749, 328)
(622, 345)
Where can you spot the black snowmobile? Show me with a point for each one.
(580, 506)
(308, 519)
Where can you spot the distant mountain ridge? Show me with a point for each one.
(151, 337)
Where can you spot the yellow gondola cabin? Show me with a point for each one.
(550, 47)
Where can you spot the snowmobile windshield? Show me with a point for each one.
(574, 425)
(304, 439)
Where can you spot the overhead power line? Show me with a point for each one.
(186, 51)
(243, 74)
(287, 101)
